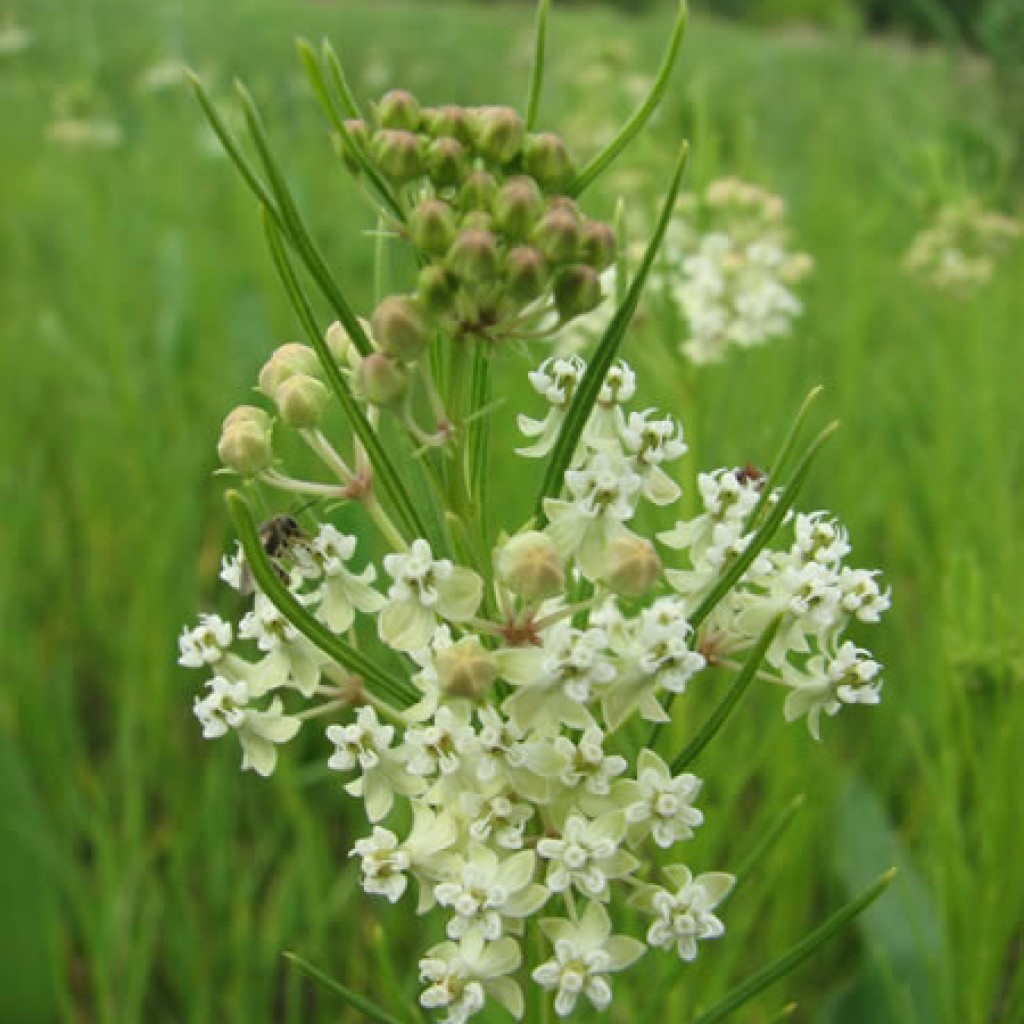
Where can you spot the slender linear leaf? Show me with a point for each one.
(643, 113)
(801, 951)
(771, 836)
(597, 369)
(537, 72)
(354, 999)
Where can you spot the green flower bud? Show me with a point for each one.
(546, 158)
(360, 136)
(478, 191)
(446, 162)
(340, 343)
(497, 133)
(633, 565)
(526, 273)
(517, 207)
(529, 565)
(381, 381)
(478, 220)
(432, 226)
(449, 120)
(399, 327)
(301, 400)
(245, 444)
(465, 669)
(474, 256)
(435, 289)
(284, 362)
(399, 154)
(399, 109)
(577, 290)
(557, 235)
(597, 244)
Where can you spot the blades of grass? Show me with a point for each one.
(643, 113)
(789, 961)
(765, 531)
(771, 836)
(540, 38)
(387, 473)
(730, 700)
(296, 230)
(315, 74)
(597, 369)
(479, 424)
(345, 93)
(354, 999)
(378, 681)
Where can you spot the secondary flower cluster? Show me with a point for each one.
(505, 789)
(959, 251)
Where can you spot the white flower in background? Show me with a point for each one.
(660, 804)
(424, 590)
(684, 914)
(555, 380)
(14, 38)
(460, 976)
(161, 76)
(585, 954)
(342, 592)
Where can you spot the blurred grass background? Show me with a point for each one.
(142, 877)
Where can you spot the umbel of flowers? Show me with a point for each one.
(476, 681)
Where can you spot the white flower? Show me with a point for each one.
(659, 804)
(424, 590)
(685, 915)
(587, 855)
(206, 643)
(651, 442)
(585, 954)
(556, 380)
(462, 975)
(384, 864)
(232, 569)
(274, 633)
(440, 746)
(498, 817)
(342, 592)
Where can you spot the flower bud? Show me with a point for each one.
(381, 381)
(529, 565)
(340, 343)
(557, 235)
(478, 191)
(547, 159)
(435, 290)
(359, 135)
(597, 244)
(497, 133)
(245, 444)
(473, 256)
(517, 207)
(477, 220)
(449, 120)
(526, 273)
(432, 226)
(465, 669)
(399, 109)
(446, 162)
(399, 328)
(301, 400)
(577, 290)
(633, 565)
(284, 362)
(398, 154)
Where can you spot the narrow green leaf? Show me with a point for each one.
(479, 425)
(285, 601)
(766, 842)
(354, 999)
(387, 473)
(345, 93)
(597, 369)
(730, 700)
(801, 951)
(540, 37)
(643, 113)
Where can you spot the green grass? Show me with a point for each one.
(147, 878)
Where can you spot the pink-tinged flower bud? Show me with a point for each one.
(557, 235)
(435, 288)
(446, 162)
(399, 327)
(517, 207)
(432, 227)
(597, 244)
(399, 154)
(465, 669)
(577, 290)
(473, 257)
(497, 133)
(340, 343)
(529, 565)
(633, 566)
(449, 120)
(526, 273)
(399, 109)
(359, 135)
(284, 362)
(546, 158)
(245, 444)
(478, 192)
(477, 220)
(381, 381)
(301, 401)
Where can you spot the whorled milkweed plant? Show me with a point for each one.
(485, 684)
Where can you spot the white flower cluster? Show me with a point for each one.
(727, 271)
(959, 252)
(506, 793)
